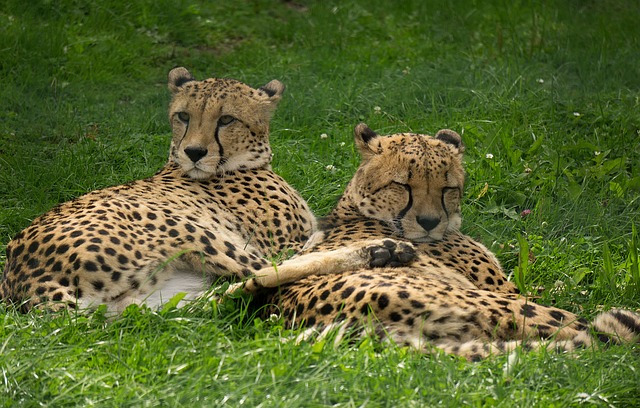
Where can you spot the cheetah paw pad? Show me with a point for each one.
(391, 253)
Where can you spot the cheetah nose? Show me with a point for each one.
(426, 222)
(195, 153)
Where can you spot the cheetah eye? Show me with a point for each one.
(398, 184)
(225, 120)
(392, 188)
(183, 116)
(452, 193)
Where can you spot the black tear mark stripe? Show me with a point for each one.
(398, 221)
(442, 203)
(220, 148)
(186, 129)
(445, 191)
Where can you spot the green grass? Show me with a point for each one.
(545, 95)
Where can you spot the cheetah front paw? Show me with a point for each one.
(390, 253)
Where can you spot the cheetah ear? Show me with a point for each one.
(273, 89)
(366, 140)
(451, 137)
(178, 77)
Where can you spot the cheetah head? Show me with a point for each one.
(412, 182)
(220, 125)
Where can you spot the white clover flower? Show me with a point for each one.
(377, 110)
(330, 167)
(576, 114)
(540, 81)
(324, 136)
(342, 144)
(489, 156)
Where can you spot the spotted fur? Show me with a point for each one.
(215, 209)
(455, 296)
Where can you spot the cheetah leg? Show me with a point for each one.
(617, 326)
(363, 254)
(214, 258)
(476, 350)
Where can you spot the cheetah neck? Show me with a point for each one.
(346, 208)
(348, 214)
(173, 169)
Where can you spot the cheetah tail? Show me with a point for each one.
(617, 326)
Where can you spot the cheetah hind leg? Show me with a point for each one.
(617, 326)
(359, 255)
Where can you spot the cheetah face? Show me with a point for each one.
(220, 125)
(412, 182)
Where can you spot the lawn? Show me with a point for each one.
(546, 96)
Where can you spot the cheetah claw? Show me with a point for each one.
(391, 253)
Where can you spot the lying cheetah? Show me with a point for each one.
(215, 209)
(455, 296)
(416, 204)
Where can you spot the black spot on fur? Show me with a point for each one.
(396, 317)
(326, 309)
(312, 302)
(403, 294)
(33, 247)
(383, 301)
(347, 292)
(337, 286)
(558, 315)
(528, 310)
(417, 305)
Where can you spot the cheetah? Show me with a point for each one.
(383, 202)
(216, 209)
(455, 297)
